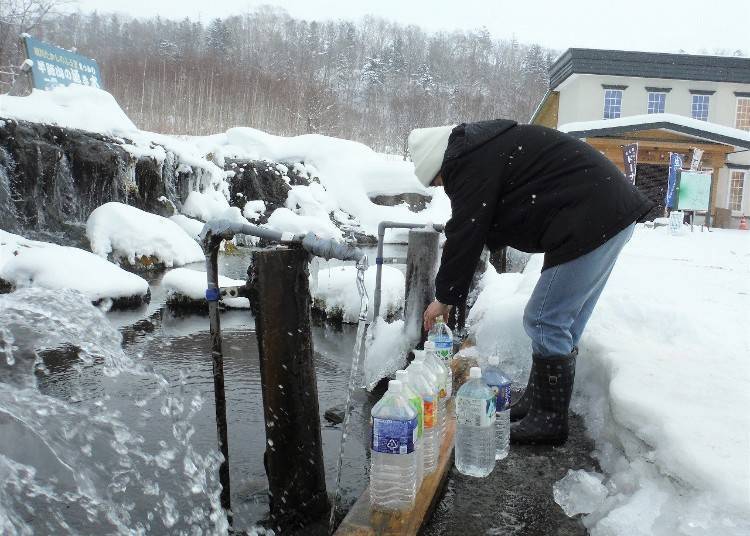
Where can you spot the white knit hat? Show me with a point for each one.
(427, 148)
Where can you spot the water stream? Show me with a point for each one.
(107, 419)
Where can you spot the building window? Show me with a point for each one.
(743, 113)
(700, 107)
(657, 102)
(612, 103)
(736, 189)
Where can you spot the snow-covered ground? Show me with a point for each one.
(28, 263)
(348, 172)
(129, 234)
(663, 383)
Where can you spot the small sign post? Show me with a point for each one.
(693, 192)
(54, 66)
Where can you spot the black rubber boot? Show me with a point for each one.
(520, 408)
(546, 422)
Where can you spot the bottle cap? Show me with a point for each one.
(418, 355)
(402, 375)
(395, 386)
(475, 372)
(429, 346)
(494, 360)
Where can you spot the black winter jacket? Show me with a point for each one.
(532, 188)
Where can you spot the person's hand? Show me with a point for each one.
(434, 310)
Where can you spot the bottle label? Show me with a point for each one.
(417, 404)
(444, 350)
(394, 437)
(502, 396)
(475, 411)
(429, 412)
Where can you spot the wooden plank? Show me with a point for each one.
(363, 520)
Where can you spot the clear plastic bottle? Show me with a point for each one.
(418, 380)
(418, 404)
(500, 385)
(393, 470)
(433, 379)
(475, 426)
(435, 364)
(442, 337)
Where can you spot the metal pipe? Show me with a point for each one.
(217, 359)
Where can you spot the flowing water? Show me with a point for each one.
(107, 419)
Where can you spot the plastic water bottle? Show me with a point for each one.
(437, 367)
(433, 379)
(418, 380)
(418, 404)
(475, 426)
(442, 337)
(500, 385)
(393, 470)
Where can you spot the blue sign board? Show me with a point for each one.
(675, 165)
(54, 66)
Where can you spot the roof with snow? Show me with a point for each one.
(688, 126)
(649, 65)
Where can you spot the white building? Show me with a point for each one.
(666, 103)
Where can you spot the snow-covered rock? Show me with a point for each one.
(186, 288)
(189, 225)
(138, 238)
(335, 292)
(74, 106)
(29, 263)
(662, 380)
(205, 206)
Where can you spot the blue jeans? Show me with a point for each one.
(565, 296)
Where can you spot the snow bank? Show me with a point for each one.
(74, 106)
(335, 291)
(28, 263)
(663, 381)
(386, 351)
(349, 173)
(188, 287)
(131, 234)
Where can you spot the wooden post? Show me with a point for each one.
(421, 268)
(280, 301)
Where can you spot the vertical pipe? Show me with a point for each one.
(422, 259)
(217, 359)
(378, 271)
(280, 301)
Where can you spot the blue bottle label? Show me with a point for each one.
(502, 396)
(444, 349)
(394, 437)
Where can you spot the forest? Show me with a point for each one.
(371, 80)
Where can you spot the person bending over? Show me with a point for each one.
(537, 190)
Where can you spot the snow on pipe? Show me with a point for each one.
(382, 227)
(216, 230)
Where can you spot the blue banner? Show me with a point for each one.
(675, 165)
(54, 66)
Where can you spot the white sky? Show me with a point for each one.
(652, 25)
